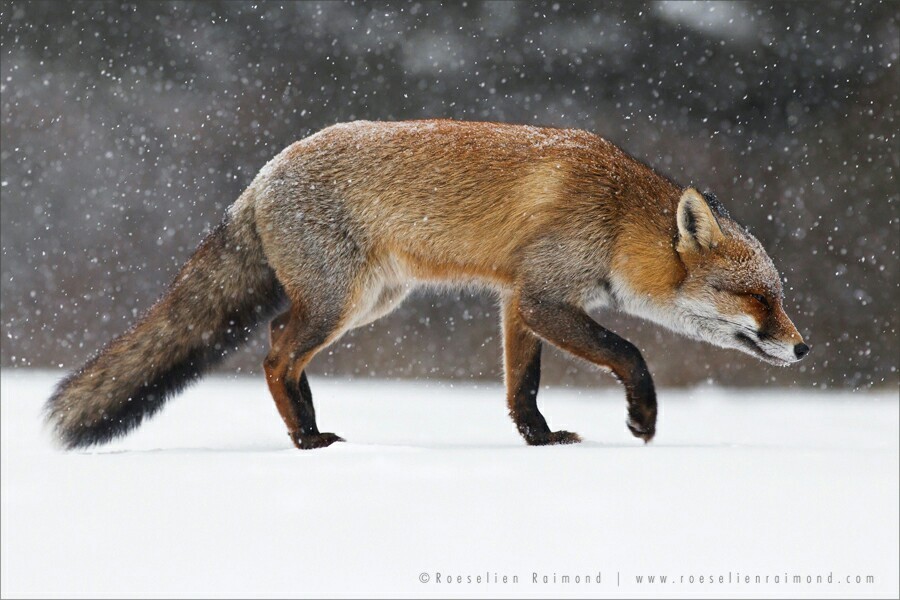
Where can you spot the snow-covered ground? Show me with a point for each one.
(209, 498)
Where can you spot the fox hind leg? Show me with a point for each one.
(296, 336)
(277, 327)
(348, 297)
(522, 367)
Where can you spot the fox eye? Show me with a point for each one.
(761, 299)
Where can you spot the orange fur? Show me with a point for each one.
(343, 224)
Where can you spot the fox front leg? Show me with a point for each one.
(522, 368)
(570, 328)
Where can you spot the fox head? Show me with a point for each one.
(731, 295)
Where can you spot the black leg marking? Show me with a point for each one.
(522, 352)
(307, 435)
(571, 329)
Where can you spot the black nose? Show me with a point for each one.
(801, 350)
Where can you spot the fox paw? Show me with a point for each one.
(553, 437)
(316, 440)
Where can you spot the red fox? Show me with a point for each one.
(340, 226)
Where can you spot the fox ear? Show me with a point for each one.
(698, 228)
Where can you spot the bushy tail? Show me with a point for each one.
(223, 292)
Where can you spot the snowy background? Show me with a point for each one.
(128, 128)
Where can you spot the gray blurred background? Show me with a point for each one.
(127, 129)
